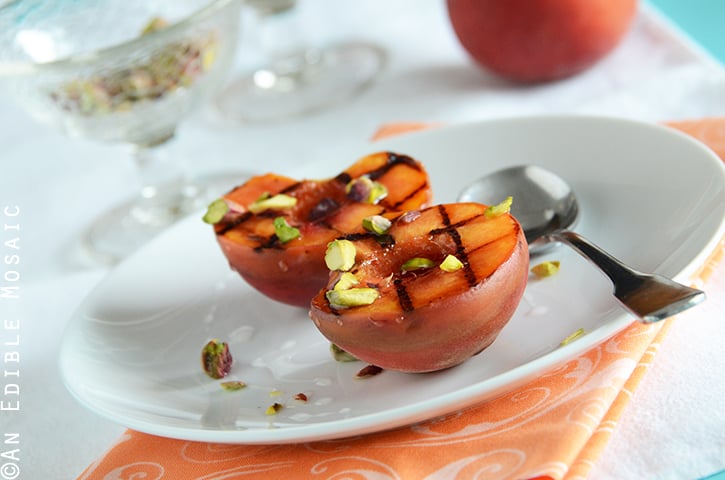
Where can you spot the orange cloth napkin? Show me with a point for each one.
(553, 428)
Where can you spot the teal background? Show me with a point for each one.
(702, 20)
(716, 476)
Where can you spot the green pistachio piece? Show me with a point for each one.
(216, 360)
(378, 192)
(500, 209)
(149, 79)
(284, 231)
(340, 255)
(215, 211)
(274, 409)
(574, 336)
(341, 355)
(276, 202)
(417, 263)
(346, 281)
(546, 269)
(352, 297)
(451, 264)
(208, 57)
(376, 224)
(363, 189)
(154, 25)
(233, 385)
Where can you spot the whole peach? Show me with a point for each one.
(539, 40)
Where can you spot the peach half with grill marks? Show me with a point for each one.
(429, 291)
(274, 230)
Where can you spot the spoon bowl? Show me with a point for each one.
(543, 201)
(546, 207)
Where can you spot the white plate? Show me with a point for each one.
(650, 195)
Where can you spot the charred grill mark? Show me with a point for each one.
(268, 214)
(451, 231)
(484, 245)
(463, 257)
(266, 243)
(385, 240)
(403, 298)
(449, 225)
(412, 194)
(221, 229)
(343, 178)
(393, 160)
(291, 188)
(354, 237)
(444, 216)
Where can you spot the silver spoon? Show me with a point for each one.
(546, 207)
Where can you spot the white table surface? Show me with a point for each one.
(675, 424)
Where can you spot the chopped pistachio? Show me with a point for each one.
(416, 263)
(340, 255)
(451, 264)
(500, 209)
(376, 224)
(233, 386)
(352, 297)
(274, 409)
(363, 189)
(574, 336)
(341, 355)
(369, 371)
(284, 231)
(378, 192)
(346, 281)
(216, 359)
(208, 57)
(154, 25)
(216, 211)
(150, 79)
(546, 269)
(275, 202)
(275, 393)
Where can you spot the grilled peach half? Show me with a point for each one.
(274, 230)
(430, 291)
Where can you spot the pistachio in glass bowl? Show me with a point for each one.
(124, 72)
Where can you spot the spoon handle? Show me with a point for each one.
(650, 297)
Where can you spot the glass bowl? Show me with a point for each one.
(121, 71)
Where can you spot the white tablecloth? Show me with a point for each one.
(673, 428)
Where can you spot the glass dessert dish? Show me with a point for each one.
(125, 72)
(296, 77)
